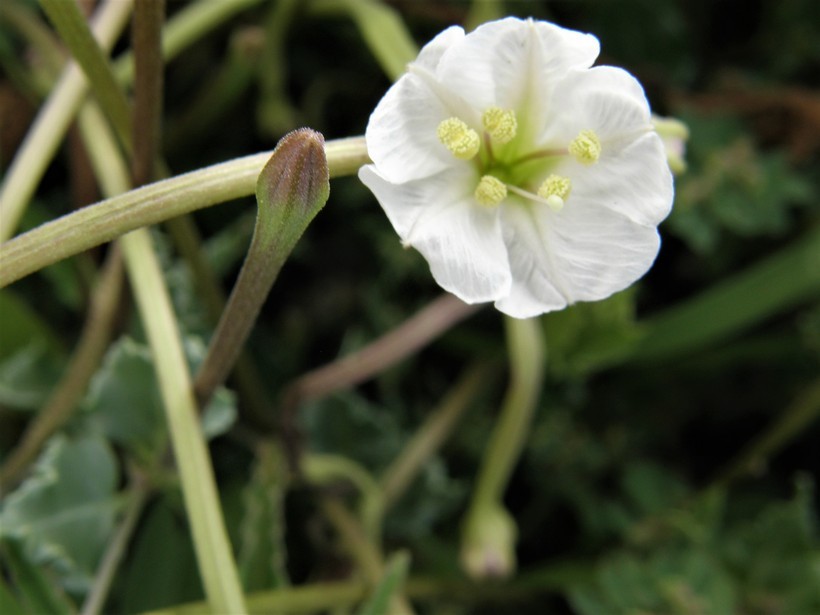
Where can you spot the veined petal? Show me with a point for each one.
(577, 254)
(537, 284)
(513, 63)
(632, 179)
(401, 134)
(599, 251)
(431, 53)
(461, 241)
(604, 99)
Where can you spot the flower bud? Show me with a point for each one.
(294, 185)
(488, 543)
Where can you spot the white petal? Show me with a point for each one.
(401, 134)
(577, 254)
(605, 99)
(461, 240)
(512, 62)
(631, 178)
(431, 53)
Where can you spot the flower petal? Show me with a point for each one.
(431, 53)
(631, 178)
(461, 240)
(401, 134)
(511, 61)
(577, 254)
(605, 99)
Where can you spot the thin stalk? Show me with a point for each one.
(151, 204)
(117, 547)
(796, 417)
(48, 129)
(74, 30)
(524, 340)
(146, 34)
(431, 435)
(93, 341)
(366, 555)
(212, 547)
(411, 335)
(488, 531)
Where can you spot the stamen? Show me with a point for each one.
(555, 190)
(500, 124)
(586, 147)
(490, 191)
(459, 138)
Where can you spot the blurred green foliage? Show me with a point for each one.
(649, 394)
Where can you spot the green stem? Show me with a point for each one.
(524, 340)
(146, 33)
(800, 413)
(216, 562)
(151, 204)
(73, 29)
(52, 121)
(117, 548)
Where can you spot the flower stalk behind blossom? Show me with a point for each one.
(523, 175)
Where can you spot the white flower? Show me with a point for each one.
(522, 175)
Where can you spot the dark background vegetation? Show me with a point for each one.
(620, 495)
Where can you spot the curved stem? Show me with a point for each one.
(163, 200)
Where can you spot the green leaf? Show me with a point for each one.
(394, 575)
(28, 376)
(35, 593)
(64, 512)
(124, 397)
(161, 570)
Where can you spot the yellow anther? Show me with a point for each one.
(586, 147)
(555, 190)
(490, 191)
(500, 124)
(459, 138)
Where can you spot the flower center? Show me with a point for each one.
(490, 190)
(504, 168)
(459, 138)
(500, 124)
(555, 191)
(586, 147)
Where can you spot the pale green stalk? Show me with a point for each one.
(48, 129)
(489, 531)
(214, 556)
(52, 122)
(526, 348)
(151, 204)
(73, 29)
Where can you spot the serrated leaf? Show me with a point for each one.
(64, 512)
